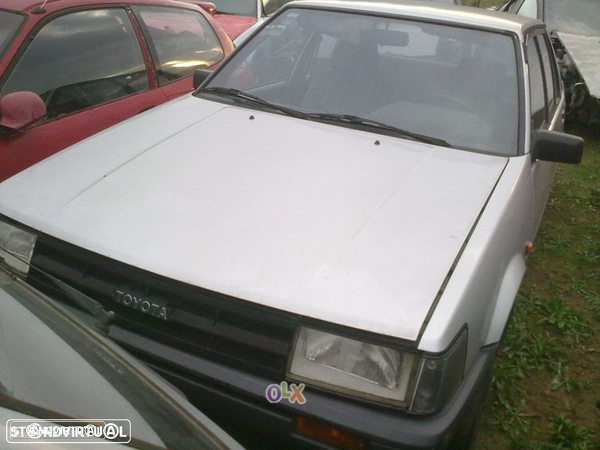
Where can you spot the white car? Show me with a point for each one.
(343, 209)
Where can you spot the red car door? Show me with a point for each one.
(90, 70)
(22, 150)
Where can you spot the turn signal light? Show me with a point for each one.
(528, 247)
(329, 435)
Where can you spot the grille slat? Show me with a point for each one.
(204, 323)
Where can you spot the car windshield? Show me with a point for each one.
(53, 367)
(236, 7)
(454, 84)
(574, 16)
(9, 24)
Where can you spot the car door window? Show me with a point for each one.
(9, 24)
(537, 93)
(550, 73)
(528, 8)
(80, 60)
(182, 41)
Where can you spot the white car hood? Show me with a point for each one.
(304, 217)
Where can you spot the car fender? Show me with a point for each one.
(501, 308)
(481, 289)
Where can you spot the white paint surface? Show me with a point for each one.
(305, 217)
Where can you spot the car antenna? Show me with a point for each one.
(39, 9)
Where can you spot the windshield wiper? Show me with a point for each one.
(249, 98)
(95, 308)
(85, 302)
(355, 120)
(344, 118)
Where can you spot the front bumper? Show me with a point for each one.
(236, 401)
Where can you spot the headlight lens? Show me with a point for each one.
(359, 368)
(16, 247)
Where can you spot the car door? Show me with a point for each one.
(180, 40)
(89, 69)
(547, 110)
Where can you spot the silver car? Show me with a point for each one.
(325, 241)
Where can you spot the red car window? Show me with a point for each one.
(9, 24)
(81, 59)
(182, 41)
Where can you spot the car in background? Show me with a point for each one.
(57, 365)
(360, 235)
(574, 27)
(71, 68)
(239, 18)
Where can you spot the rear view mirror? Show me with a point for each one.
(556, 147)
(199, 76)
(20, 109)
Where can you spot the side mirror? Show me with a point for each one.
(556, 147)
(199, 76)
(20, 109)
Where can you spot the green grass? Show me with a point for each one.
(547, 378)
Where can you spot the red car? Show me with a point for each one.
(239, 18)
(71, 68)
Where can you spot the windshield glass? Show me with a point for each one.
(9, 24)
(574, 16)
(455, 84)
(53, 367)
(236, 7)
(271, 6)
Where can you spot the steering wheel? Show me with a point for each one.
(447, 100)
(121, 84)
(65, 100)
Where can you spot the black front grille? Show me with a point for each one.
(207, 324)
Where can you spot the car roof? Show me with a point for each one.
(54, 5)
(467, 15)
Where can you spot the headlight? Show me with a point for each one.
(16, 247)
(422, 383)
(358, 368)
